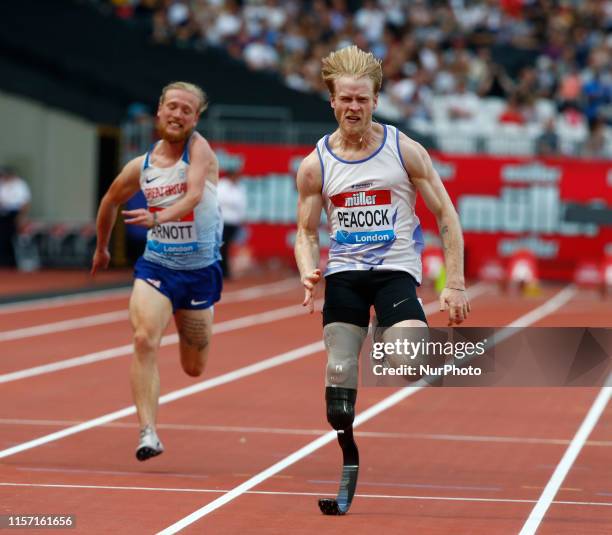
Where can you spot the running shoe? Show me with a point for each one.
(149, 445)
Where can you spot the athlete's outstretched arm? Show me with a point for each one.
(123, 187)
(428, 183)
(310, 202)
(203, 166)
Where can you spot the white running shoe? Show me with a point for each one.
(149, 445)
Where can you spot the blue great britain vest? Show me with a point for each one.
(194, 241)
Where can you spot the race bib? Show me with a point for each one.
(173, 237)
(363, 217)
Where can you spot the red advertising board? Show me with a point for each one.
(509, 204)
(505, 205)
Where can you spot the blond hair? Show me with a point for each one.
(186, 86)
(351, 61)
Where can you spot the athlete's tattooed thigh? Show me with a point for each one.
(194, 332)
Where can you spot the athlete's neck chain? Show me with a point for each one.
(360, 143)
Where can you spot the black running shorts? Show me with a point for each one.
(350, 294)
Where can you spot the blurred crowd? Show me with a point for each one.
(464, 67)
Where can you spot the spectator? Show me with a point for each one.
(571, 117)
(570, 86)
(292, 76)
(370, 19)
(597, 93)
(547, 76)
(547, 143)
(490, 43)
(512, 114)
(260, 55)
(161, 30)
(496, 82)
(595, 145)
(429, 55)
(462, 105)
(527, 85)
(479, 72)
(233, 203)
(227, 24)
(413, 95)
(15, 199)
(178, 13)
(339, 15)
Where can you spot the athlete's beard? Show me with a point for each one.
(173, 137)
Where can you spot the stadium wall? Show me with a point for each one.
(56, 153)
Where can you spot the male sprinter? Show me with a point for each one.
(367, 176)
(179, 272)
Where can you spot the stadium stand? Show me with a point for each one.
(553, 58)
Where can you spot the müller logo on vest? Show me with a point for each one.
(361, 198)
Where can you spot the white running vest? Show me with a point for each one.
(370, 209)
(192, 242)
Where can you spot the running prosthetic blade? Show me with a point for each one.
(350, 472)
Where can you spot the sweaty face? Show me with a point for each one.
(177, 115)
(353, 103)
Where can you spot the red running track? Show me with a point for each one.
(441, 461)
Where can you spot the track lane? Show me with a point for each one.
(36, 312)
(97, 383)
(589, 474)
(240, 415)
(26, 353)
(310, 378)
(517, 518)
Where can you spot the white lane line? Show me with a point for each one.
(430, 486)
(107, 295)
(246, 294)
(170, 339)
(552, 487)
(296, 456)
(558, 300)
(63, 300)
(263, 290)
(235, 375)
(131, 474)
(289, 493)
(64, 325)
(225, 326)
(442, 437)
(318, 443)
(550, 306)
